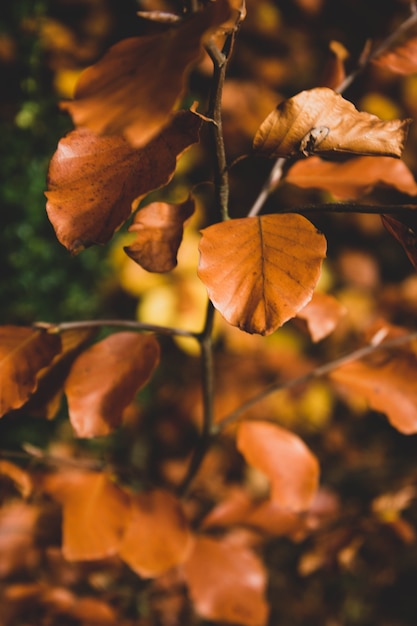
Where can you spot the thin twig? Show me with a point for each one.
(138, 326)
(318, 372)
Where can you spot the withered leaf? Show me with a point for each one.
(260, 271)
(159, 229)
(285, 459)
(134, 88)
(321, 121)
(105, 378)
(24, 352)
(404, 229)
(93, 181)
(227, 582)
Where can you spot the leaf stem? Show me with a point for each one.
(317, 372)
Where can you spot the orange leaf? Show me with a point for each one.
(322, 315)
(134, 88)
(159, 230)
(292, 469)
(95, 512)
(353, 178)
(260, 271)
(387, 381)
(105, 378)
(21, 479)
(322, 121)
(401, 59)
(227, 582)
(93, 181)
(157, 536)
(24, 352)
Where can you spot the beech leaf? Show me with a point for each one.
(387, 382)
(322, 314)
(404, 229)
(157, 536)
(24, 352)
(134, 88)
(322, 121)
(93, 181)
(260, 271)
(353, 178)
(227, 582)
(285, 459)
(105, 378)
(159, 229)
(95, 512)
(401, 58)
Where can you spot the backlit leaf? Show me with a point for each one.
(285, 459)
(157, 536)
(227, 582)
(401, 58)
(134, 88)
(260, 271)
(93, 181)
(105, 378)
(322, 314)
(353, 178)
(24, 352)
(322, 121)
(159, 229)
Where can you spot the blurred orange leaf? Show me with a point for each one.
(93, 181)
(159, 229)
(105, 378)
(322, 314)
(24, 352)
(227, 582)
(21, 479)
(134, 88)
(353, 178)
(157, 536)
(402, 58)
(285, 459)
(322, 121)
(95, 512)
(260, 271)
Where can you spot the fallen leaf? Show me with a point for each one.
(260, 271)
(285, 459)
(134, 88)
(159, 229)
(322, 314)
(322, 121)
(93, 181)
(105, 378)
(24, 352)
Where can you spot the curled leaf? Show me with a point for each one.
(321, 121)
(105, 378)
(159, 229)
(93, 181)
(404, 229)
(260, 271)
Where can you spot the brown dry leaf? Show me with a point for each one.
(227, 582)
(159, 229)
(322, 121)
(134, 88)
(322, 315)
(404, 229)
(95, 513)
(157, 536)
(93, 181)
(260, 271)
(24, 352)
(353, 178)
(105, 378)
(387, 381)
(401, 59)
(285, 459)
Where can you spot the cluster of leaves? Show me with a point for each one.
(198, 529)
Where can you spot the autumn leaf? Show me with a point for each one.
(260, 271)
(401, 58)
(105, 378)
(134, 88)
(285, 459)
(24, 352)
(227, 582)
(322, 314)
(322, 121)
(93, 181)
(95, 512)
(159, 229)
(354, 177)
(157, 536)
(404, 229)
